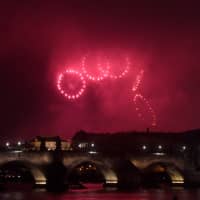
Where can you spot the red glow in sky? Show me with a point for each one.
(40, 40)
(104, 71)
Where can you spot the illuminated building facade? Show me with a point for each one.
(50, 144)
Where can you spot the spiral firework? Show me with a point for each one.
(115, 75)
(71, 84)
(103, 70)
(138, 80)
(146, 104)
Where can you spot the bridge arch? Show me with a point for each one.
(36, 172)
(173, 174)
(104, 166)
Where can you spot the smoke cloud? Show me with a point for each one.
(39, 40)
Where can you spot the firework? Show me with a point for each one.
(114, 74)
(138, 80)
(71, 84)
(101, 70)
(143, 105)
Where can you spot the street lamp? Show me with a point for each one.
(92, 145)
(19, 143)
(184, 148)
(7, 144)
(144, 147)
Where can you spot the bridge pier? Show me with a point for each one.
(56, 174)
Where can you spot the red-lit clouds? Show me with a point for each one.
(39, 41)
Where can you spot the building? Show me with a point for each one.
(49, 143)
(181, 143)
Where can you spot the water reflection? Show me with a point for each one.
(94, 193)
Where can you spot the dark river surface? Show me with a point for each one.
(100, 194)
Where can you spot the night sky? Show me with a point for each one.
(38, 40)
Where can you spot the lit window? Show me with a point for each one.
(83, 145)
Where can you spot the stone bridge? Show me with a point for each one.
(117, 171)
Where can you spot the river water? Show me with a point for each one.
(100, 194)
